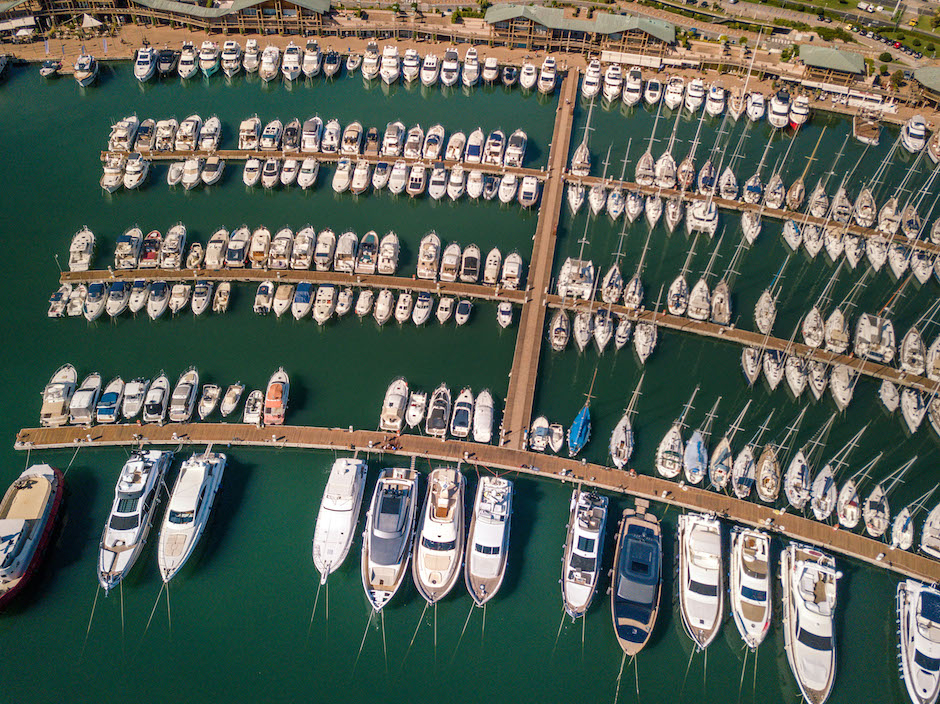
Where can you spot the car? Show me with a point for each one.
(897, 45)
(869, 34)
(918, 55)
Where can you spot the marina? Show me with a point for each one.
(277, 468)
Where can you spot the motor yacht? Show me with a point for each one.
(701, 581)
(231, 57)
(756, 107)
(188, 509)
(390, 66)
(250, 58)
(270, 63)
(778, 115)
(636, 580)
(450, 68)
(209, 58)
(185, 395)
(750, 593)
(410, 66)
(392, 417)
(547, 76)
(809, 581)
(324, 303)
(275, 398)
(438, 412)
(581, 565)
(145, 63)
(347, 248)
(135, 498)
(509, 76)
(119, 294)
(231, 399)
(799, 112)
(95, 301)
(187, 136)
(653, 92)
(156, 400)
(439, 540)
(85, 70)
(429, 255)
(331, 63)
(386, 544)
(430, 70)
(488, 538)
(57, 396)
(338, 515)
(188, 65)
(28, 514)
(312, 59)
(325, 250)
(914, 134)
(919, 623)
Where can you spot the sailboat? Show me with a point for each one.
(700, 306)
(722, 459)
(743, 473)
(797, 480)
(670, 453)
(876, 511)
(580, 431)
(848, 505)
(823, 492)
(902, 529)
(695, 458)
(677, 298)
(581, 159)
(768, 464)
(621, 439)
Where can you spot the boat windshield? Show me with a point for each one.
(703, 589)
(124, 522)
(930, 607)
(816, 642)
(181, 517)
(487, 549)
(441, 546)
(926, 662)
(753, 594)
(582, 563)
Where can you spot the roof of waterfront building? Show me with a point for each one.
(603, 22)
(928, 77)
(225, 8)
(832, 59)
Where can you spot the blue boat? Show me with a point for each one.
(696, 460)
(579, 432)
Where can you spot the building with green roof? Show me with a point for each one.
(828, 65)
(536, 27)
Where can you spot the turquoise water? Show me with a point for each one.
(239, 623)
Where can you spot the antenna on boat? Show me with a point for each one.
(680, 421)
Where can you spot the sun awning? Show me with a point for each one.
(17, 23)
(25, 32)
(88, 22)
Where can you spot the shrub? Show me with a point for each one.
(931, 47)
(897, 78)
(885, 57)
(915, 41)
(884, 70)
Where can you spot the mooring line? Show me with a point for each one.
(619, 675)
(469, 614)
(415, 634)
(88, 630)
(364, 634)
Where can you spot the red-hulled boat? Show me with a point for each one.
(28, 515)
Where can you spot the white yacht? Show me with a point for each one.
(430, 70)
(388, 254)
(145, 63)
(488, 539)
(312, 59)
(86, 70)
(547, 76)
(701, 577)
(135, 392)
(127, 249)
(438, 414)
(750, 595)
(429, 255)
(410, 66)
(56, 397)
(188, 509)
(591, 83)
(528, 76)
(325, 250)
(84, 400)
(250, 60)
(188, 65)
(81, 250)
(135, 498)
(613, 83)
(675, 92)
(490, 69)
(471, 68)
(324, 303)
(392, 418)
(809, 580)
(231, 57)
(108, 407)
(386, 542)
(185, 394)
(483, 417)
(633, 87)
(778, 115)
(338, 515)
(914, 134)
(390, 68)
(450, 68)
(581, 565)
(919, 634)
(156, 400)
(756, 107)
(209, 58)
(371, 62)
(438, 545)
(270, 63)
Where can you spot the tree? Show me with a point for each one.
(931, 47)
(885, 57)
(785, 54)
(897, 78)
(915, 41)
(884, 70)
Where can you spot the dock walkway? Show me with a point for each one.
(296, 276)
(491, 457)
(752, 338)
(525, 362)
(742, 207)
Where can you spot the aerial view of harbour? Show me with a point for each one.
(537, 356)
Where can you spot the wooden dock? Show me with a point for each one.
(525, 362)
(641, 486)
(296, 276)
(237, 155)
(742, 207)
(752, 338)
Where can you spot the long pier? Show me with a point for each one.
(525, 362)
(752, 338)
(297, 276)
(328, 157)
(552, 467)
(743, 207)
